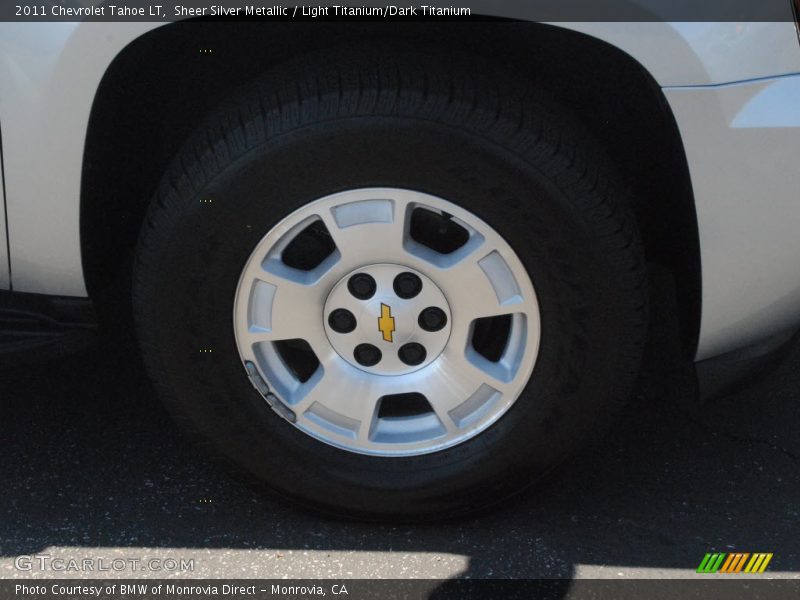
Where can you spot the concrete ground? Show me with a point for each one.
(93, 468)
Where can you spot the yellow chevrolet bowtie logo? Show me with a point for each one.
(386, 322)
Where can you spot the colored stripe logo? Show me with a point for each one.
(735, 562)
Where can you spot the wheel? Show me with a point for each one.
(391, 286)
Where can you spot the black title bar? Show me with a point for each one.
(528, 10)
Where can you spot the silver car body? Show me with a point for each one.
(734, 89)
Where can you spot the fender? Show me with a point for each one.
(49, 74)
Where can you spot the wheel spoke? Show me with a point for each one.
(479, 286)
(456, 379)
(368, 241)
(459, 388)
(287, 310)
(341, 390)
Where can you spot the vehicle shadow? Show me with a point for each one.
(92, 460)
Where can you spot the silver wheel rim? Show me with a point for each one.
(403, 405)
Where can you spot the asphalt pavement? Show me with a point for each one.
(94, 468)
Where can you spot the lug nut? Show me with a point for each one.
(412, 354)
(407, 285)
(367, 355)
(432, 319)
(342, 320)
(362, 286)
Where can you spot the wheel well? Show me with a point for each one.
(162, 84)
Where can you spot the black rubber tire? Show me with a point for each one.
(457, 128)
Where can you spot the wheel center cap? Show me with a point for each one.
(387, 319)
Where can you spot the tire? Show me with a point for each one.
(481, 138)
